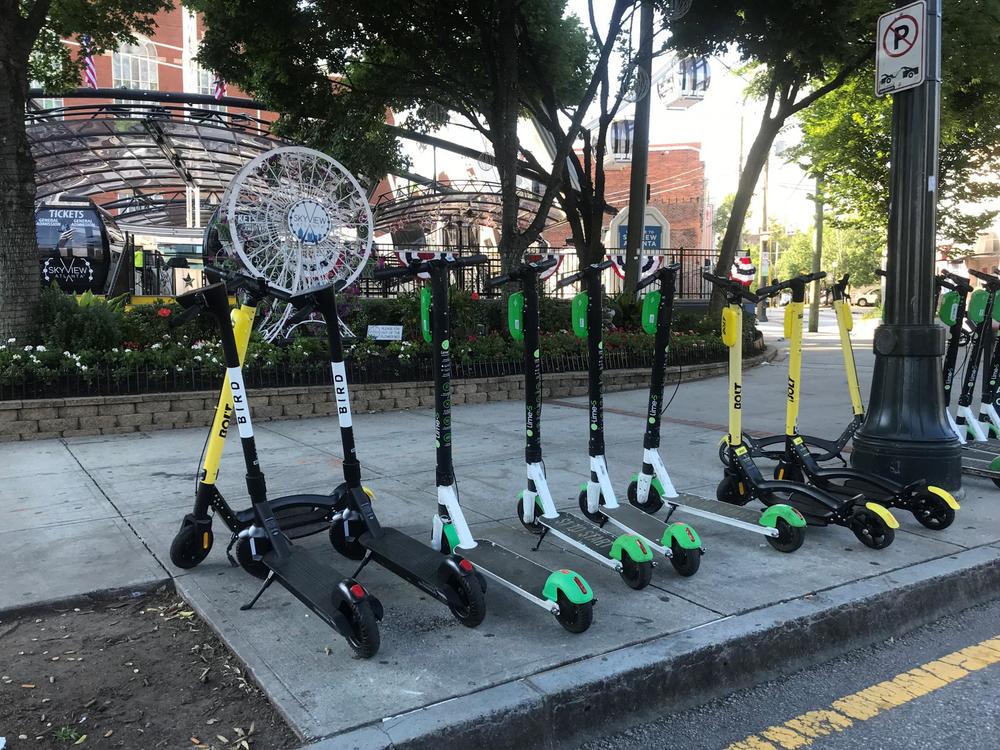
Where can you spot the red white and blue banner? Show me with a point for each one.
(220, 89)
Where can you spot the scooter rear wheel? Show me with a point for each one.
(685, 561)
(365, 638)
(653, 500)
(472, 609)
(871, 530)
(789, 537)
(190, 547)
(728, 491)
(636, 575)
(933, 512)
(244, 556)
(576, 618)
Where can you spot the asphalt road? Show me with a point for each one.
(944, 693)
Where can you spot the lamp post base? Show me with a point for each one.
(906, 435)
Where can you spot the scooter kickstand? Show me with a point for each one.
(541, 538)
(364, 561)
(229, 550)
(263, 587)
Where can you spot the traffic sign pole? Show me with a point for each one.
(906, 435)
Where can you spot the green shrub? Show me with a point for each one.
(65, 325)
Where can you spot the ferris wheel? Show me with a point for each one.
(298, 219)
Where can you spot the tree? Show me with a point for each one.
(30, 49)
(799, 51)
(848, 135)
(720, 221)
(335, 67)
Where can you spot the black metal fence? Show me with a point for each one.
(690, 284)
(145, 379)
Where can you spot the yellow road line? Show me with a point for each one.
(863, 705)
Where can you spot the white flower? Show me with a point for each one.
(11, 341)
(156, 346)
(83, 367)
(115, 349)
(67, 354)
(39, 348)
(179, 368)
(16, 356)
(28, 348)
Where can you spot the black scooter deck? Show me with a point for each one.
(404, 555)
(638, 522)
(736, 512)
(312, 580)
(581, 531)
(506, 565)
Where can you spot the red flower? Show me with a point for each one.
(475, 296)
(163, 312)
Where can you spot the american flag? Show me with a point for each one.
(89, 69)
(220, 89)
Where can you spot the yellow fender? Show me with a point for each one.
(882, 512)
(950, 501)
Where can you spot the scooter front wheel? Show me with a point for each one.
(653, 500)
(871, 530)
(190, 546)
(789, 537)
(933, 512)
(685, 561)
(636, 575)
(534, 527)
(598, 517)
(344, 538)
(576, 618)
(244, 556)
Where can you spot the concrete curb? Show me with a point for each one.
(141, 588)
(690, 667)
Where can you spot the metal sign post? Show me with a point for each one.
(905, 435)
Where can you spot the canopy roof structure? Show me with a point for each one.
(163, 160)
(469, 201)
(144, 158)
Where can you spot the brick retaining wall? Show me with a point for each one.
(111, 415)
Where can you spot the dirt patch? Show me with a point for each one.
(134, 673)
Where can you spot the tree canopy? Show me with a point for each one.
(847, 136)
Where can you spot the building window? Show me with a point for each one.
(206, 85)
(621, 139)
(135, 66)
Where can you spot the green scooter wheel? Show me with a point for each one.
(685, 561)
(653, 500)
(598, 517)
(534, 527)
(789, 537)
(636, 575)
(576, 618)
(244, 556)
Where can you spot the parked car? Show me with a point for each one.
(866, 296)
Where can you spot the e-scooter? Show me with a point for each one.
(563, 592)
(298, 515)
(355, 530)
(932, 506)
(652, 485)
(871, 522)
(636, 535)
(338, 600)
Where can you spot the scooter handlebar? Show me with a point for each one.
(574, 277)
(733, 288)
(991, 281)
(425, 265)
(660, 273)
(520, 272)
(954, 281)
(806, 278)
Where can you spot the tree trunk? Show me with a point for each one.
(19, 275)
(756, 158)
(506, 107)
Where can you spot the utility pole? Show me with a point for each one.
(640, 150)
(764, 266)
(817, 256)
(905, 435)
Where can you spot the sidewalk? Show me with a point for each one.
(89, 514)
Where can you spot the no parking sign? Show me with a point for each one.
(900, 57)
